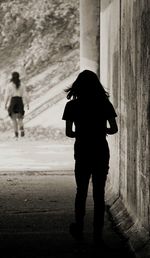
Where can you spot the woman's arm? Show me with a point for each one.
(113, 126)
(7, 96)
(69, 132)
(6, 102)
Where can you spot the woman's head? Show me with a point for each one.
(87, 85)
(16, 79)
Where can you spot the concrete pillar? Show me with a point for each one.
(90, 35)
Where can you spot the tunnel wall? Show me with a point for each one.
(110, 75)
(125, 73)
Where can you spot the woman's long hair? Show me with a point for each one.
(87, 86)
(15, 79)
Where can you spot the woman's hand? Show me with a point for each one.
(113, 126)
(69, 132)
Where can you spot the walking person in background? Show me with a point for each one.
(15, 99)
(88, 111)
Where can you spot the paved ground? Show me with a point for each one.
(37, 191)
(35, 213)
(29, 155)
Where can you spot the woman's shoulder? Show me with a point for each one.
(108, 102)
(110, 108)
(72, 102)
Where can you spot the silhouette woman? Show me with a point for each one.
(15, 98)
(88, 111)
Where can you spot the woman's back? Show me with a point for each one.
(90, 117)
(14, 91)
(89, 109)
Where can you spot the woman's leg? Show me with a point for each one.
(82, 176)
(21, 126)
(99, 177)
(99, 182)
(15, 124)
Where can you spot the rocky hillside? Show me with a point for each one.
(36, 34)
(40, 39)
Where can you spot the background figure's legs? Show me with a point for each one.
(21, 126)
(15, 124)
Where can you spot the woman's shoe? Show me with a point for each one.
(22, 133)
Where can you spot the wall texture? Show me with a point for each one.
(125, 72)
(110, 75)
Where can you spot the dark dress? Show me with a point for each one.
(16, 106)
(91, 153)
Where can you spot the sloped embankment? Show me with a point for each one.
(40, 39)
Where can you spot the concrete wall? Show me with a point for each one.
(124, 50)
(125, 71)
(110, 75)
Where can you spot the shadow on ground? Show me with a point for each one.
(35, 214)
